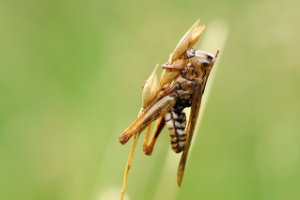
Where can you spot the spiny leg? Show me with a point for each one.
(159, 125)
(128, 165)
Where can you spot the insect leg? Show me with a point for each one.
(146, 139)
(158, 109)
(148, 148)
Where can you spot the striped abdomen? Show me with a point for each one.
(176, 121)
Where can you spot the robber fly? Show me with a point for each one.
(181, 85)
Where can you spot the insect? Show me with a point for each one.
(181, 85)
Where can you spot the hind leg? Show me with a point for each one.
(159, 125)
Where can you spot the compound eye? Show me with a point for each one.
(210, 57)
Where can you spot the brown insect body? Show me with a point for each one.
(179, 93)
(185, 84)
(181, 85)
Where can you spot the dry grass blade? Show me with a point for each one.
(128, 165)
(188, 40)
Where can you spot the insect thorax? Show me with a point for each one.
(185, 85)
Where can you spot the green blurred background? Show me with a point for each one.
(70, 82)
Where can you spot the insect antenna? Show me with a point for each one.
(217, 53)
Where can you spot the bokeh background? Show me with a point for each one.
(70, 82)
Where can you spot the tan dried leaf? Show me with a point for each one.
(168, 76)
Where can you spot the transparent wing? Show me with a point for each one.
(190, 130)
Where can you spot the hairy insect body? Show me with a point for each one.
(175, 119)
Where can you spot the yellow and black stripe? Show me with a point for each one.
(176, 121)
